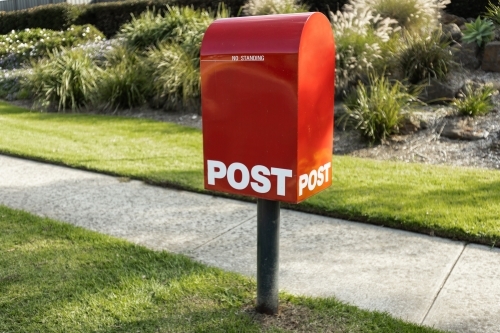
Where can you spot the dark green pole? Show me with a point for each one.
(268, 225)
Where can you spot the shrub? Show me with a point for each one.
(409, 14)
(126, 82)
(424, 57)
(480, 31)
(376, 110)
(476, 101)
(66, 78)
(19, 46)
(176, 75)
(266, 7)
(358, 37)
(177, 25)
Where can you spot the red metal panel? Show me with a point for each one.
(315, 116)
(257, 79)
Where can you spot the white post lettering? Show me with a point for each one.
(311, 185)
(212, 173)
(245, 176)
(321, 177)
(303, 179)
(281, 175)
(327, 166)
(262, 184)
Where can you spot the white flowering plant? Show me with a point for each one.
(18, 47)
(266, 7)
(421, 15)
(359, 38)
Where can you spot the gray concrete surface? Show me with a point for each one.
(437, 282)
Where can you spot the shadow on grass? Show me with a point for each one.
(54, 272)
(73, 280)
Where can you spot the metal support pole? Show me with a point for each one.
(268, 225)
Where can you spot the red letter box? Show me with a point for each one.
(267, 103)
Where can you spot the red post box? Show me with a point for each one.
(267, 104)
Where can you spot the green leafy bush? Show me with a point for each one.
(20, 46)
(422, 57)
(66, 79)
(376, 110)
(266, 7)
(126, 82)
(174, 26)
(476, 101)
(176, 75)
(480, 31)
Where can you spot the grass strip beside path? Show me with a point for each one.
(460, 203)
(58, 278)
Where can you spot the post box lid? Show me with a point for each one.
(261, 34)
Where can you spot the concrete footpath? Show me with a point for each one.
(427, 280)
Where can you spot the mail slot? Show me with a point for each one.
(267, 87)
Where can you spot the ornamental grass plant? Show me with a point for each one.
(126, 80)
(493, 12)
(176, 72)
(476, 101)
(174, 25)
(424, 57)
(376, 109)
(66, 79)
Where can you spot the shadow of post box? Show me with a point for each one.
(267, 103)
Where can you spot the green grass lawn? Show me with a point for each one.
(58, 278)
(461, 203)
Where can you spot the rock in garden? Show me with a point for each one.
(438, 91)
(491, 57)
(409, 125)
(450, 18)
(452, 32)
(463, 129)
(467, 55)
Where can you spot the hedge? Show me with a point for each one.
(108, 17)
(54, 17)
